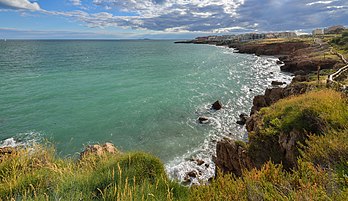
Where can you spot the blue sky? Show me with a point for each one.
(162, 19)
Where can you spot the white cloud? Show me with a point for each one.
(319, 2)
(76, 2)
(20, 4)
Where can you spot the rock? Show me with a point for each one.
(231, 157)
(300, 72)
(109, 148)
(275, 83)
(279, 62)
(6, 151)
(203, 120)
(217, 105)
(250, 90)
(192, 173)
(271, 73)
(288, 144)
(242, 119)
(99, 150)
(206, 165)
(300, 78)
(199, 162)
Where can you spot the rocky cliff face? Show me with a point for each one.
(285, 48)
(232, 157)
(296, 56)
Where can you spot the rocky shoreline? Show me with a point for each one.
(302, 60)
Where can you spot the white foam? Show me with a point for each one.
(21, 139)
(222, 123)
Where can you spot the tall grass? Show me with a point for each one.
(37, 174)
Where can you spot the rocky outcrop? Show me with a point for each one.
(284, 48)
(99, 150)
(289, 147)
(297, 64)
(6, 151)
(274, 94)
(232, 157)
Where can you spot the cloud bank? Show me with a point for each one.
(201, 15)
(19, 4)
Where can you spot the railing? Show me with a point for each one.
(335, 75)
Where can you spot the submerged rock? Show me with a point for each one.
(217, 105)
(203, 120)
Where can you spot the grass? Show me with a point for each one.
(272, 182)
(320, 118)
(315, 113)
(36, 174)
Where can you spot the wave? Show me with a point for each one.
(198, 161)
(22, 140)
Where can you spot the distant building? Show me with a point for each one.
(287, 35)
(334, 29)
(317, 32)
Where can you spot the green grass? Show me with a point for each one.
(36, 174)
(341, 42)
(314, 113)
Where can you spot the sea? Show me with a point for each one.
(141, 95)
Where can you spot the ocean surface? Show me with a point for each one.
(139, 95)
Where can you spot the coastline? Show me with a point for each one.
(192, 168)
(294, 57)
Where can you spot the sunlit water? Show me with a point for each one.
(139, 95)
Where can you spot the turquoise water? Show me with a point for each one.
(140, 95)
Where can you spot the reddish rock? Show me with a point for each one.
(99, 150)
(232, 157)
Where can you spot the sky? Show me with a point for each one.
(163, 19)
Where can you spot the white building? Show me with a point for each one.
(317, 32)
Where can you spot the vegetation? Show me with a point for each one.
(341, 42)
(320, 173)
(36, 174)
(319, 121)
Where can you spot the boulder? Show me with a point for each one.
(242, 119)
(217, 105)
(300, 78)
(99, 150)
(203, 120)
(276, 83)
(279, 62)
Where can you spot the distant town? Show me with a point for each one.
(257, 36)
